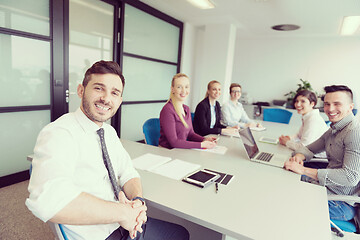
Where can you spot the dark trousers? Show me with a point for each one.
(316, 165)
(154, 229)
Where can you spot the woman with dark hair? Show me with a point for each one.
(313, 125)
(208, 113)
(176, 130)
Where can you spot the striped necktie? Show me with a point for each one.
(108, 164)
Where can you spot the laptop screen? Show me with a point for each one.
(249, 142)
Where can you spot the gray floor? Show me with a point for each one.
(16, 221)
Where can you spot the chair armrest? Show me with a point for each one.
(345, 198)
(324, 160)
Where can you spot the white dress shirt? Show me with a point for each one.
(67, 161)
(313, 126)
(233, 114)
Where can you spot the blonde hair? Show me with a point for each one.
(209, 86)
(174, 101)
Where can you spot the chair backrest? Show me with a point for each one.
(277, 115)
(62, 232)
(58, 230)
(151, 130)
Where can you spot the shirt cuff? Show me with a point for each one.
(322, 176)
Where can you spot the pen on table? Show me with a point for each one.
(216, 187)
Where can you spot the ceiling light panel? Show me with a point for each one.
(350, 25)
(202, 4)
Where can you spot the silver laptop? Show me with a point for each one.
(255, 155)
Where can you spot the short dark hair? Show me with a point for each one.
(234, 85)
(308, 94)
(103, 67)
(338, 88)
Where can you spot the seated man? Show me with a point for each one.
(342, 145)
(83, 177)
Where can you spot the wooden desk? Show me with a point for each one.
(261, 202)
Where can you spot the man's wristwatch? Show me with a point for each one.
(140, 198)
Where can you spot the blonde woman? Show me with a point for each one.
(176, 130)
(208, 113)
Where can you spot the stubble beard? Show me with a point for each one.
(87, 110)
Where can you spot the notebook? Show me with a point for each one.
(252, 150)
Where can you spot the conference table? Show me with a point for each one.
(261, 201)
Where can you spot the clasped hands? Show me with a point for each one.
(136, 216)
(295, 164)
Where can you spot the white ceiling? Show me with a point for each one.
(254, 18)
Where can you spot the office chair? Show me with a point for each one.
(277, 115)
(353, 225)
(151, 130)
(58, 229)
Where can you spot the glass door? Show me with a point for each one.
(91, 31)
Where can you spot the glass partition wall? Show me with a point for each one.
(91, 31)
(26, 92)
(146, 44)
(151, 57)
(45, 48)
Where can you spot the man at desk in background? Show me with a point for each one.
(342, 145)
(79, 165)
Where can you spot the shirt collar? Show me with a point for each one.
(309, 114)
(234, 103)
(340, 125)
(85, 122)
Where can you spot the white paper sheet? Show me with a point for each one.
(218, 150)
(235, 134)
(258, 128)
(149, 161)
(176, 169)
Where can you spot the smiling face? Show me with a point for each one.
(303, 105)
(180, 88)
(101, 97)
(235, 93)
(337, 105)
(214, 91)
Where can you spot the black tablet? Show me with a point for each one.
(201, 178)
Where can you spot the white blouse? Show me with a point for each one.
(313, 126)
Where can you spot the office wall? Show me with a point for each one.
(267, 68)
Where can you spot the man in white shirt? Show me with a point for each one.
(233, 113)
(70, 184)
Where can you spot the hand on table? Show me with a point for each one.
(211, 139)
(208, 144)
(283, 139)
(295, 164)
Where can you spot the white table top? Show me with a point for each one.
(261, 202)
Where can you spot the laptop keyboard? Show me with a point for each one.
(264, 156)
